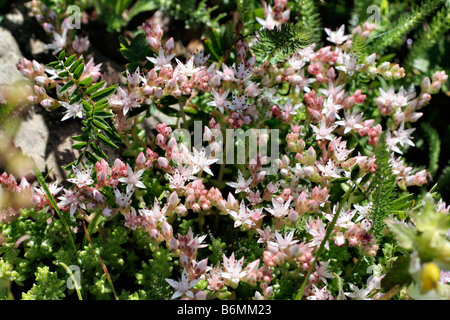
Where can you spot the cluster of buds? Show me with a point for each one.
(41, 82)
(196, 196)
(366, 29)
(294, 141)
(391, 70)
(186, 248)
(153, 220)
(439, 77)
(365, 163)
(312, 202)
(350, 101)
(322, 56)
(164, 132)
(153, 33)
(34, 71)
(275, 16)
(357, 235)
(373, 132)
(43, 14)
(57, 27)
(14, 196)
(404, 177)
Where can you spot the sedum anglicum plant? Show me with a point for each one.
(328, 216)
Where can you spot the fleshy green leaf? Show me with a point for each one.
(65, 88)
(70, 60)
(95, 87)
(104, 93)
(106, 141)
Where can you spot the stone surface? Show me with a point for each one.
(41, 134)
(47, 143)
(9, 56)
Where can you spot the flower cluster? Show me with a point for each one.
(297, 222)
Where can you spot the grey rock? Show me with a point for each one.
(9, 56)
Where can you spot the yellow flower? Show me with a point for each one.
(430, 276)
(427, 286)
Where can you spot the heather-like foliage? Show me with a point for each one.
(203, 209)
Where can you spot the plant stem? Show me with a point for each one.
(322, 244)
(220, 178)
(74, 280)
(42, 182)
(105, 269)
(183, 115)
(391, 293)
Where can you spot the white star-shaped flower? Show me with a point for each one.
(243, 217)
(187, 69)
(161, 60)
(241, 185)
(183, 286)
(133, 179)
(337, 37)
(72, 110)
(201, 161)
(82, 177)
(323, 131)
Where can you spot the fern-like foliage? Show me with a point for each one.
(429, 36)
(359, 49)
(443, 183)
(382, 189)
(279, 43)
(97, 126)
(405, 24)
(310, 18)
(434, 146)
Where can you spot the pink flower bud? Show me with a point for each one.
(37, 200)
(161, 140)
(312, 206)
(293, 216)
(173, 199)
(195, 207)
(314, 68)
(169, 45)
(107, 212)
(140, 160)
(181, 211)
(166, 230)
(155, 235)
(158, 93)
(173, 244)
(384, 66)
(163, 163)
(40, 92)
(309, 171)
(147, 90)
(207, 135)
(185, 260)
(48, 103)
(201, 266)
(153, 43)
(435, 86)
(357, 30)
